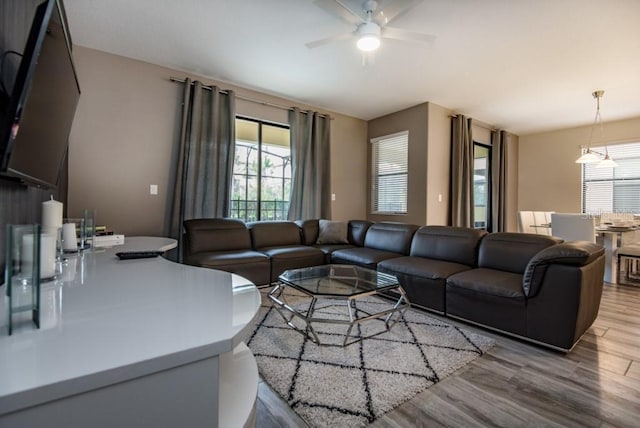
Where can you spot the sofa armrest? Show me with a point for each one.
(575, 253)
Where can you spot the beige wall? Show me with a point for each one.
(124, 135)
(414, 120)
(548, 177)
(429, 127)
(438, 161)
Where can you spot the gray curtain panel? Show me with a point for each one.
(499, 153)
(204, 171)
(461, 213)
(310, 162)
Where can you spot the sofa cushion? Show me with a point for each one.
(422, 279)
(511, 252)
(366, 257)
(421, 267)
(222, 258)
(216, 234)
(293, 252)
(328, 249)
(390, 237)
(292, 257)
(490, 297)
(332, 232)
(454, 244)
(489, 281)
(254, 266)
(265, 234)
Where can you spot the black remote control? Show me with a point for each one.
(129, 255)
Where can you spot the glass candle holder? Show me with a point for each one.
(23, 270)
(73, 235)
(89, 217)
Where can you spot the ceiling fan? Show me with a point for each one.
(371, 22)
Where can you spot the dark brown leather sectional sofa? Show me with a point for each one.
(534, 287)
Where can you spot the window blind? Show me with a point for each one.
(390, 167)
(613, 189)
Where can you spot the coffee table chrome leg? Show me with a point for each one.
(348, 335)
(403, 297)
(351, 304)
(313, 337)
(279, 300)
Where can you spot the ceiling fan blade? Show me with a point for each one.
(332, 39)
(388, 10)
(338, 8)
(408, 36)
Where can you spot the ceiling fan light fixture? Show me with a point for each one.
(368, 36)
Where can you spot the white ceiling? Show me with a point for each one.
(522, 65)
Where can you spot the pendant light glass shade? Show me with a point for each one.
(607, 163)
(588, 157)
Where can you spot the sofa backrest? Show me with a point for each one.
(310, 229)
(358, 231)
(215, 234)
(393, 237)
(274, 234)
(511, 252)
(448, 243)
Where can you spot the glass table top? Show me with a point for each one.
(338, 280)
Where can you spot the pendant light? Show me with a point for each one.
(592, 156)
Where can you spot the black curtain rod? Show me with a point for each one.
(264, 103)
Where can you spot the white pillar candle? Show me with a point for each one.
(47, 255)
(51, 215)
(69, 241)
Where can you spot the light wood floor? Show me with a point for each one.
(517, 384)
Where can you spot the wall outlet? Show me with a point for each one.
(153, 189)
(333, 196)
(440, 197)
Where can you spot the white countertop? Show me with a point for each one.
(108, 320)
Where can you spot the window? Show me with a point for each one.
(261, 171)
(613, 189)
(390, 166)
(481, 186)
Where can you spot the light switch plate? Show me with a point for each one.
(153, 189)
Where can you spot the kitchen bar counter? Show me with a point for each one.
(144, 342)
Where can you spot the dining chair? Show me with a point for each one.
(628, 264)
(573, 227)
(541, 222)
(526, 222)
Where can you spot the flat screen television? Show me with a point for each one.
(37, 115)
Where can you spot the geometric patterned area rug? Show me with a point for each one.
(333, 386)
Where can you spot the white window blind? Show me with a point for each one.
(613, 189)
(390, 166)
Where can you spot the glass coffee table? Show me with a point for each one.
(339, 282)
